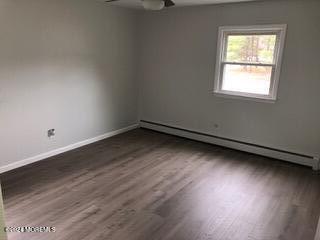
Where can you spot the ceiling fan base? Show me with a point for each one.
(153, 5)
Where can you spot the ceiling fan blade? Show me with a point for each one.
(111, 1)
(168, 3)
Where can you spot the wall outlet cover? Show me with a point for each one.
(51, 133)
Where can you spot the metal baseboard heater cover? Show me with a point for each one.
(234, 144)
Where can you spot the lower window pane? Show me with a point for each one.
(247, 79)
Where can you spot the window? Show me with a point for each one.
(248, 61)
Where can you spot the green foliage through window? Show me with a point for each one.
(251, 48)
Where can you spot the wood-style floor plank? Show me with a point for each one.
(146, 185)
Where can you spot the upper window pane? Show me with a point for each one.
(251, 48)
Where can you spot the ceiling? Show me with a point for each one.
(181, 3)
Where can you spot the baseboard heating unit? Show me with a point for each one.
(311, 161)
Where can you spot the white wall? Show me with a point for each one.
(178, 53)
(64, 64)
(72, 65)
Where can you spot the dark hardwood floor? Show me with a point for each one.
(144, 185)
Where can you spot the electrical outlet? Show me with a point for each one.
(51, 133)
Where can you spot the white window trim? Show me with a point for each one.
(279, 30)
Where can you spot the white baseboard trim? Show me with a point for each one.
(52, 153)
(260, 150)
(317, 237)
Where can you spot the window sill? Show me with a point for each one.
(246, 97)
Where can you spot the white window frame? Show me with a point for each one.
(279, 30)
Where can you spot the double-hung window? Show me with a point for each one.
(248, 61)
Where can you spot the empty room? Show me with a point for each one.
(160, 120)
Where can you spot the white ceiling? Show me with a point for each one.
(179, 3)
